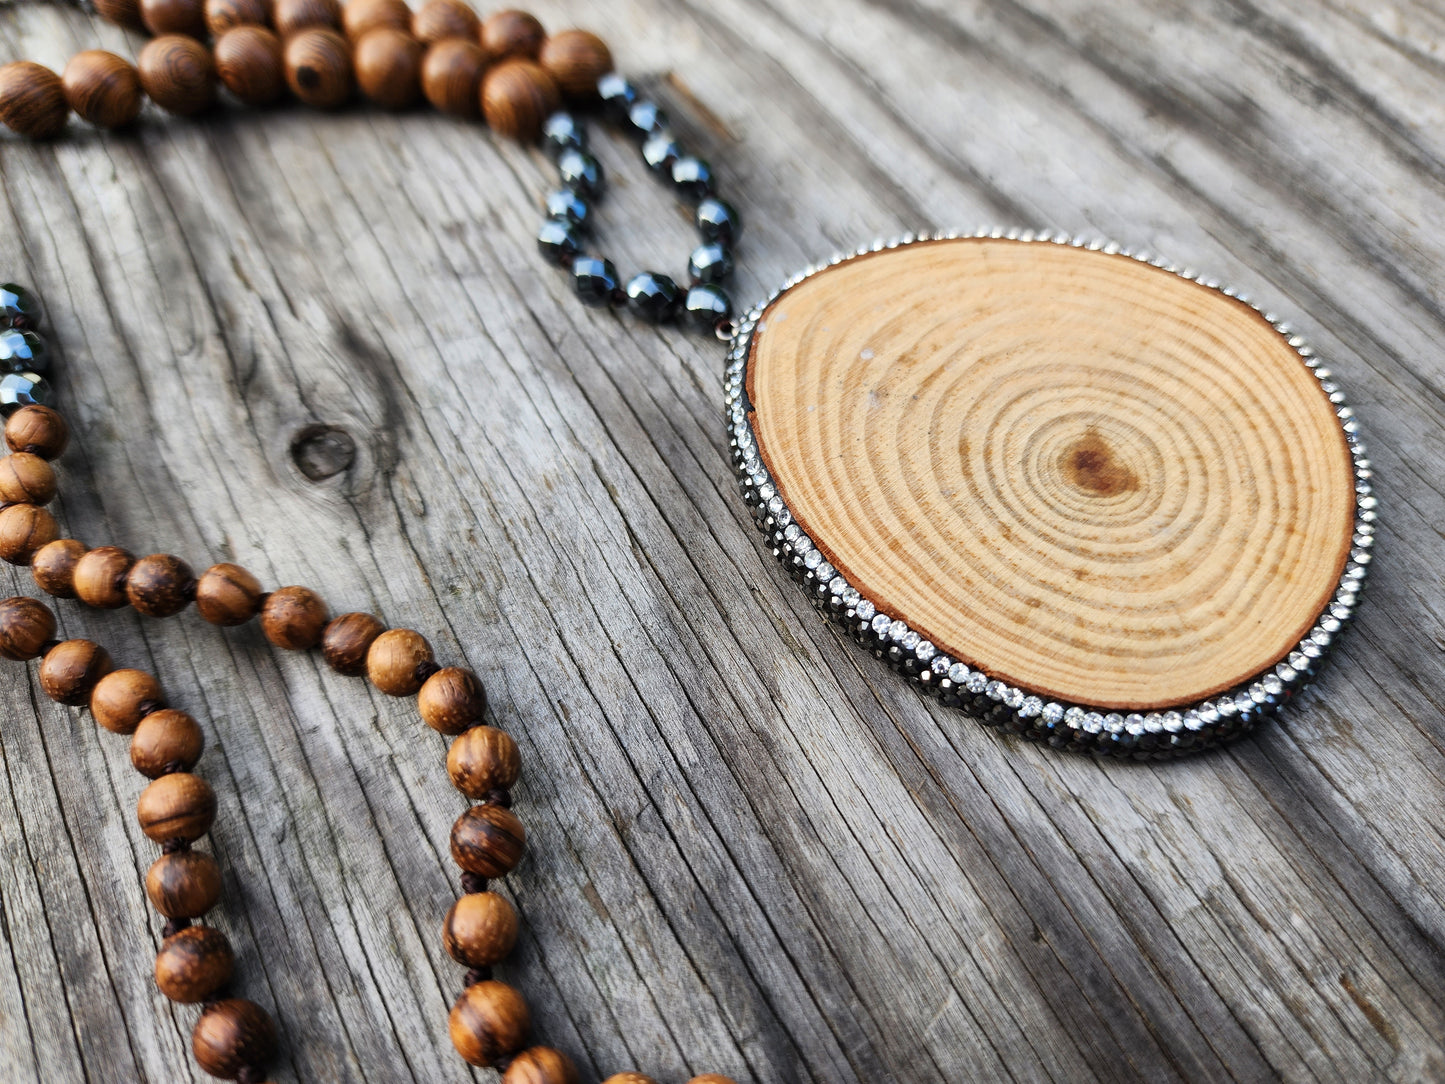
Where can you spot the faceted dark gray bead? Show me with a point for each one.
(19, 307)
(580, 171)
(660, 151)
(718, 220)
(22, 351)
(653, 296)
(693, 177)
(558, 241)
(567, 205)
(646, 118)
(595, 280)
(710, 263)
(561, 131)
(617, 96)
(708, 305)
(22, 389)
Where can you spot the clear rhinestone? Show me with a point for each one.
(1030, 708)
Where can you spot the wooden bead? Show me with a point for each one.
(576, 59)
(488, 1022)
(346, 641)
(250, 65)
(122, 698)
(37, 430)
(26, 626)
(124, 13)
(629, 1078)
(293, 618)
(511, 33)
(482, 760)
(177, 806)
(186, 884)
(224, 15)
(160, 585)
(480, 929)
(228, 595)
(178, 73)
(100, 575)
(232, 1035)
(53, 566)
(24, 529)
(166, 741)
(360, 16)
(541, 1065)
(70, 670)
(318, 67)
(452, 700)
(488, 840)
(32, 100)
(186, 17)
(517, 96)
(102, 88)
(388, 67)
(26, 479)
(395, 660)
(194, 964)
(451, 77)
(291, 16)
(438, 20)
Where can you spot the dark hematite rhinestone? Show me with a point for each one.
(653, 296)
(660, 151)
(22, 351)
(710, 263)
(19, 307)
(558, 241)
(563, 131)
(707, 306)
(719, 221)
(567, 205)
(617, 95)
(693, 177)
(595, 280)
(580, 171)
(22, 389)
(646, 118)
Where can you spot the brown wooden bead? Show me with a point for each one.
(186, 884)
(102, 88)
(541, 1065)
(346, 641)
(32, 100)
(517, 96)
(178, 73)
(228, 595)
(186, 17)
(488, 1022)
(122, 698)
(576, 59)
(38, 430)
(53, 566)
(482, 760)
(318, 67)
(124, 13)
(388, 67)
(250, 65)
(100, 575)
(160, 585)
(26, 479)
(629, 1078)
(395, 660)
(451, 77)
(293, 618)
(232, 1035)
(488, 840)
(24, 529)
(26, 626)
(70, 670)
(291, 16)
(223, 15)
(511, 33)
(194, 964)
(480, 929)
(438, 20)
(452, 700)
(166, 741)
(360, 16)
(177, 806)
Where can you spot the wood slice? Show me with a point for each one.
(1078, 473)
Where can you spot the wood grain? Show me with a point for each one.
(751, 849)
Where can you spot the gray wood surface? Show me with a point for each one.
(752, 849)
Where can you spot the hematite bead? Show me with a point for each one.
(562, 131)
(19, 307)
(708, 305)
(646, 118)
(23, 351)
(567, 205)
(558, 241)
(710, 263)
(653, 296)
(693, 177)
(595, 280)
(660, 151)
(22, 389)
(719, 221)
(580, 171)
(617, 95)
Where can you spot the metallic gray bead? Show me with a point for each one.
(595, 280)
(23, 351)
(562, 131)
(22, 389)
(617, 95)
(660, 151)
(718, 220)
(580, 172)
(693, 177)
(707, 306)
(653, 296)
(646, 118)
(558, 241)
(710, 263)
(19, 307)
(567, 205)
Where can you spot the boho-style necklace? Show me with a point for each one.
(1096, 500)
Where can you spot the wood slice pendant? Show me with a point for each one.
(1092, 498)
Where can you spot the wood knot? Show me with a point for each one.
(322, 451)
(1090, 464)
